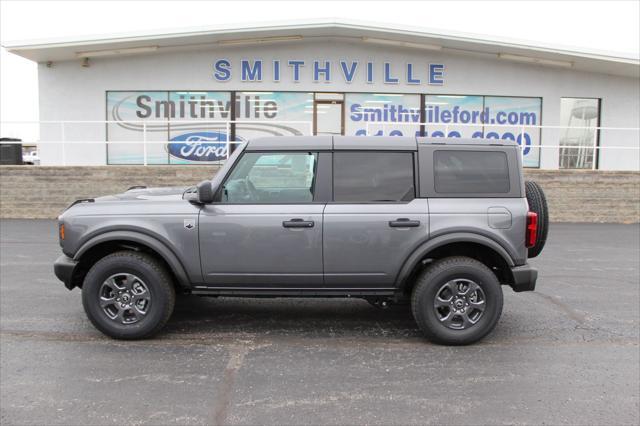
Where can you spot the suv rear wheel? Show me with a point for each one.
(456, 301)
(128, 295)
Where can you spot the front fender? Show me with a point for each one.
(136, 237)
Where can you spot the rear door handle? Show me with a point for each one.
(298, 223)
(404, 222)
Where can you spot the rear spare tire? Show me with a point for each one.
(538, 204)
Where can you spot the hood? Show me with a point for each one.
(153, 194)
(136, 201)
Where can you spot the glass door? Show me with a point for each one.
(329, 117)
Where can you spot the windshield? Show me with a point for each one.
(217, 179)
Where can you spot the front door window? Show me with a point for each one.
(272, 178)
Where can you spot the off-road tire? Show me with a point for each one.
(158, 281)
(430, 281)
(538, 204)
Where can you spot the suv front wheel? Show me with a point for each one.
(456, 301)
(128, 295)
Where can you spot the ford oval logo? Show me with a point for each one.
(199, 146)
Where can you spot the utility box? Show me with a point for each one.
(10, 153)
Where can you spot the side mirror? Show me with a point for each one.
(205, 192)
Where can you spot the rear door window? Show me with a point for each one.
(361, 176)
(468, 172)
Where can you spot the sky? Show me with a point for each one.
(610, 26)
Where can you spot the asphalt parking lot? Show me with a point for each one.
(565, 354)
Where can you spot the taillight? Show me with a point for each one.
(532, 229)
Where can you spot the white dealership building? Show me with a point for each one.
(181, 97)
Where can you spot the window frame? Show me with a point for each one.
(319, 170)
(415, 171)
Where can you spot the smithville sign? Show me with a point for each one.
(323, 71)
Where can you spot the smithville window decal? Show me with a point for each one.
(184, 120)
(194, 123)
(453, 116)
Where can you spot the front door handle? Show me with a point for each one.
(404, 222)
(298, 223)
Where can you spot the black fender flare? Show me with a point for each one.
(457, 237)
(136, 237)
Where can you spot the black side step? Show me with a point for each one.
(291, 292)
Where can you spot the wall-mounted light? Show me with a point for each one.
(424, 46)
(259, 40)
(112, 52)
(531, 60)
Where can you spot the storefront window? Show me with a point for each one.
(365, 113)
(491, 117)
(190, 125)
(453, 116)
(201, 132)
(273, 114)
(194, 126)
(512, 119)
(132, 116)
(579, 118)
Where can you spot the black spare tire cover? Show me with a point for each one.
(538, 204)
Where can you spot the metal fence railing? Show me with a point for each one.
(572, 152)
(87, 132)
(584, 153)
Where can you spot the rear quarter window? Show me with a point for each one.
(469, 172)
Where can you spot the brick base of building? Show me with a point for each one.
(41, 192)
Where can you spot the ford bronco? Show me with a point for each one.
(438, 224)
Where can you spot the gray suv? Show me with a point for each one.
(438, 224)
